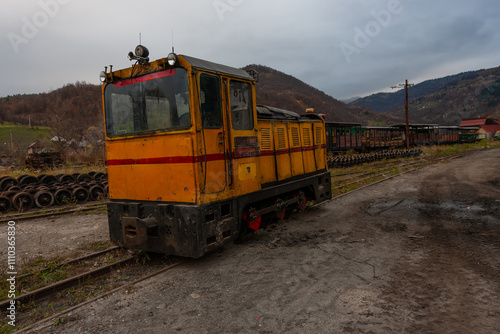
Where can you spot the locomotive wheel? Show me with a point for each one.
(96, 192)
(5, 204)
(44, 199)
(85, 185)
(19, 178)
(48, 179)
(7, 182)
(62, 196)
(280, 213)
(9, 194)
(99, 176)
(33, 191)
(28, 188)
(28, 179)
(66, 178)
(84, 177)
(252, 222)
(80, 194)
(280, 209)
(22, 201)
(302, 203)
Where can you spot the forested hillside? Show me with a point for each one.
(445, 100)
(281, 90)
(72, 114)
(69, 110)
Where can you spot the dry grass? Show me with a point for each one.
(69, 169)
(352, 178)
(444, 150)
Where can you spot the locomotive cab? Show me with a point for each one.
(183, 147)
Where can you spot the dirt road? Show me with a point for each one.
(417, 254)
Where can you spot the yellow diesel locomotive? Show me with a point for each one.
(193, 161)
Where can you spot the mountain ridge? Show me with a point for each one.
(278, 89)
(445, 100)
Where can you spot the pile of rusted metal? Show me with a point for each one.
(28, 191)
(44, 160)
(351, 160)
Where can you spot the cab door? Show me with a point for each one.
(214, 135)
(244, 140)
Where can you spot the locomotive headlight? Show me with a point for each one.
(141, 51)
(102, 76)
(172, 59)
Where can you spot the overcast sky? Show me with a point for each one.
(343, 47)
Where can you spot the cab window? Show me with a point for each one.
(210, 101)
(240, 95)
(157, 101)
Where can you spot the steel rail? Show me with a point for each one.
(52, 213)
(433, 162)
(373, 175)
(73, 261)
(51, 289)
(44, 323)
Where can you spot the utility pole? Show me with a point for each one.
(406, 85)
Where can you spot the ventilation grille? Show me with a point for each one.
(319, 136)
(265, 137)
(281, 138)
(295, 137)
(307, 137)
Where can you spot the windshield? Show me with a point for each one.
(155, 102)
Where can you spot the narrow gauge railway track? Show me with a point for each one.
(355, 171)
(352, 160)
(60, 211)
(67, 294)
(72, 261)
(49, 321)
(48, 290)
(344, 183)
(384, 169)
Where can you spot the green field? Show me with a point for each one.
(22, 135)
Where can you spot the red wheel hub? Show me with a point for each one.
(252, 221)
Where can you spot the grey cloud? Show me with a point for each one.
(297, 37)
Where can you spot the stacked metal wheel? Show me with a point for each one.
(351, 160)
(43, 191)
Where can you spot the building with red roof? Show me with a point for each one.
(486, 126)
